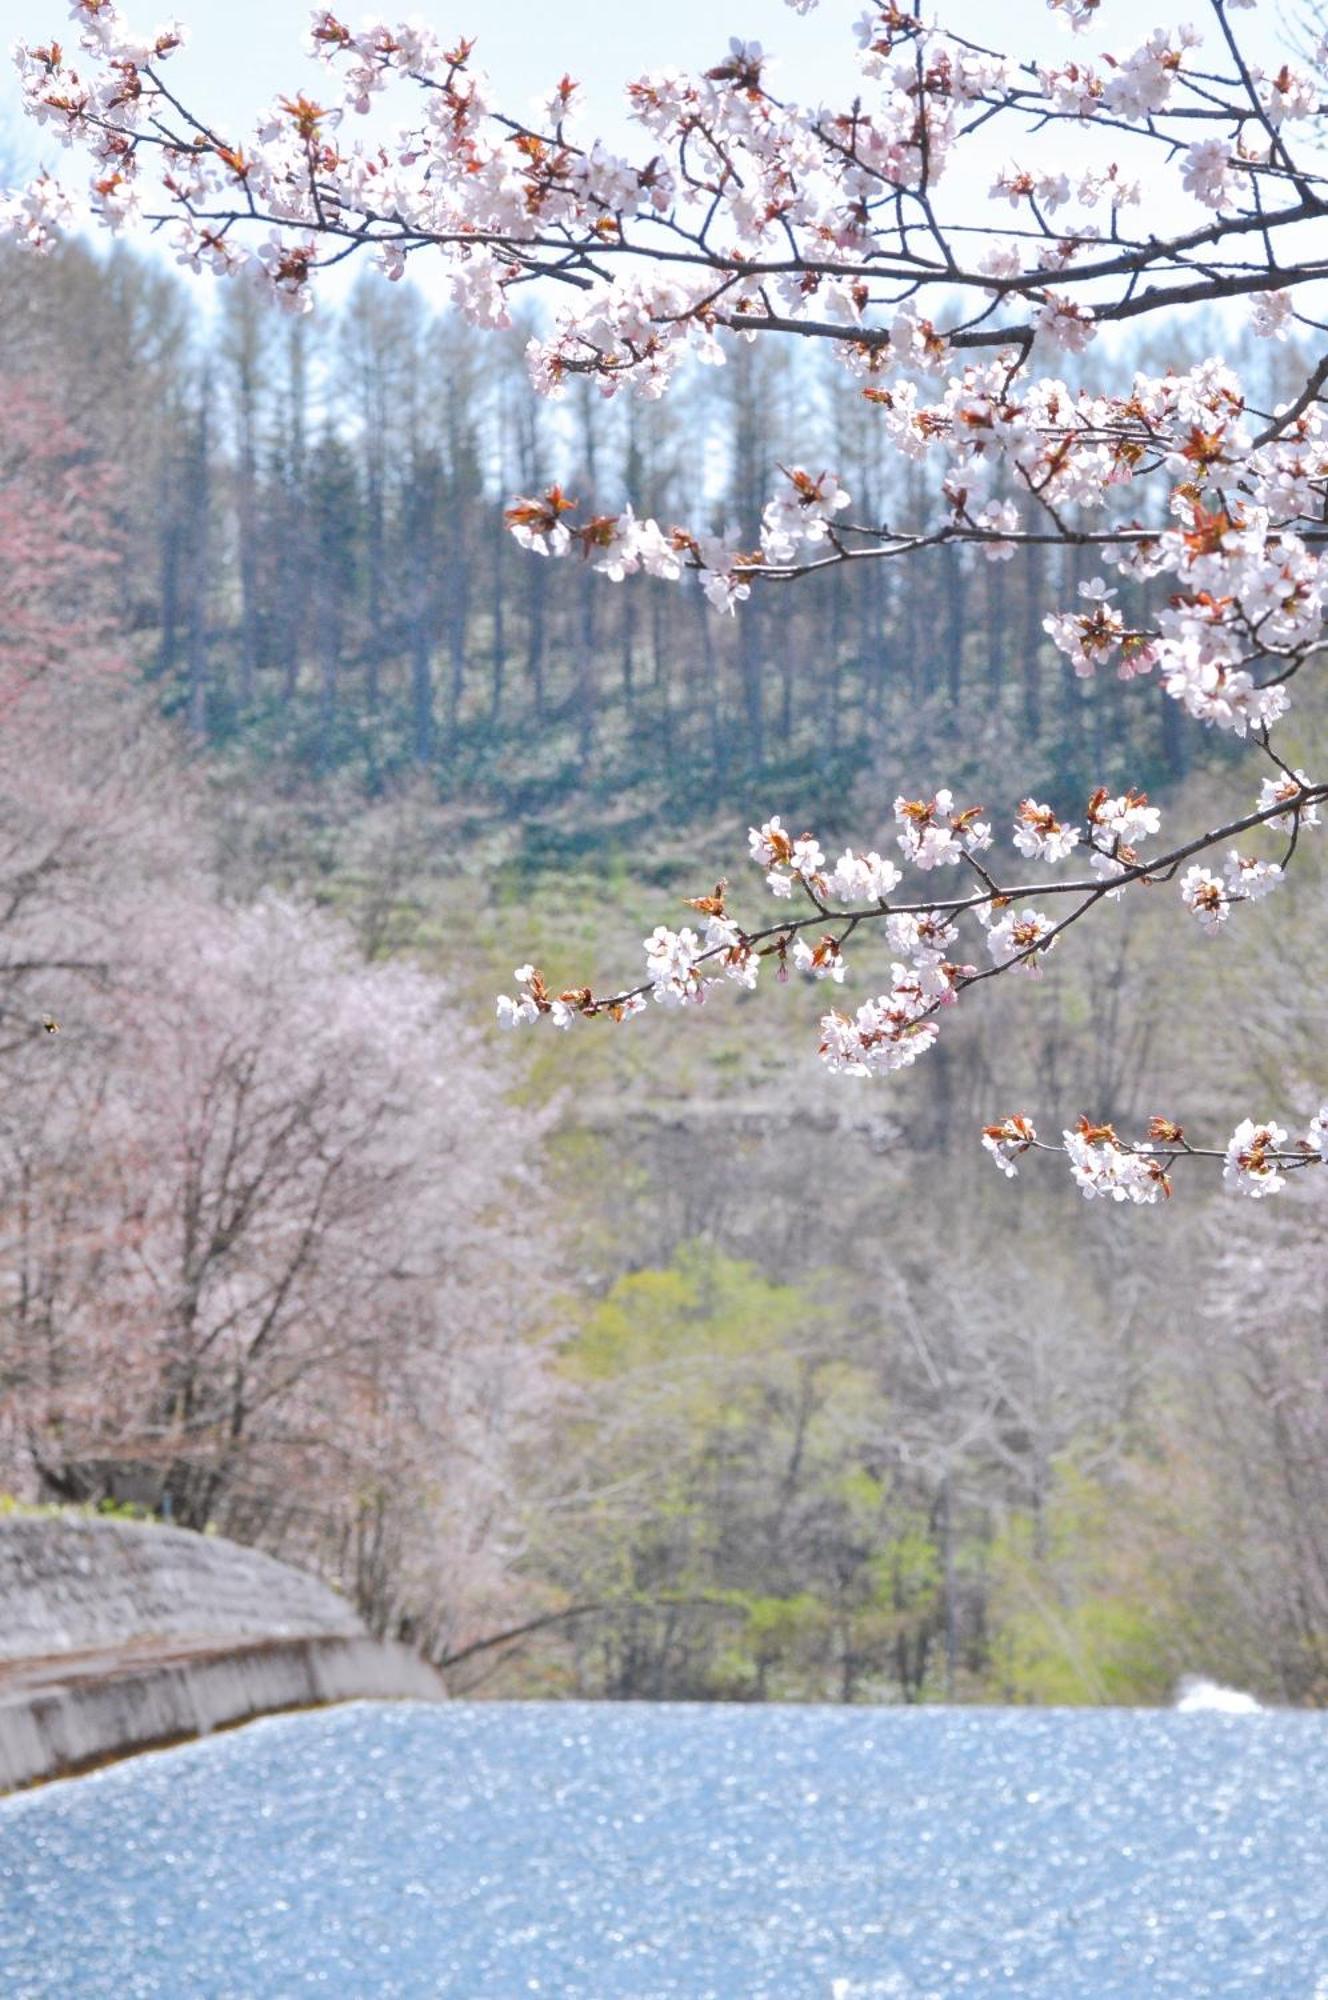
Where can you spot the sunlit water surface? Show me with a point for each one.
(491, 1852)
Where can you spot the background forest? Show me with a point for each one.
(643, 1364)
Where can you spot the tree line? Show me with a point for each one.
(318, 569)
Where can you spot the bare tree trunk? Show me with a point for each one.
(200, 501)
(296, 536)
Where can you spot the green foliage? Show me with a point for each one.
(12, 1507)
(704, 1309)
(739, 1545)
(1080, 1615)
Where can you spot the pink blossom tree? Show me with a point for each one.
(80, 809)
(858, 225)
(55, 531)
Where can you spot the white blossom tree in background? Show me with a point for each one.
(264, 1267)
(858, 225)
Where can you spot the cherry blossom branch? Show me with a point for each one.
(1256, 1160)
(892, 1031)
(752, 217)
(932, 835)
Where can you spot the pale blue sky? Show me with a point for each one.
(243, 51)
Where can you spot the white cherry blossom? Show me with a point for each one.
(1274, 790)
(1251, 1166)
(1316, 1137)
(1006, 1141)
(1207, 896)
(1040, 836)
(1019, 937)
(823, 960)
(1104, 1169)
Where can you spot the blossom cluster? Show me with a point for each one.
(773, 211)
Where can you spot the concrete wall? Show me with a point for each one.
(55, 1730)
(116, 1636)
(69, 1582)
